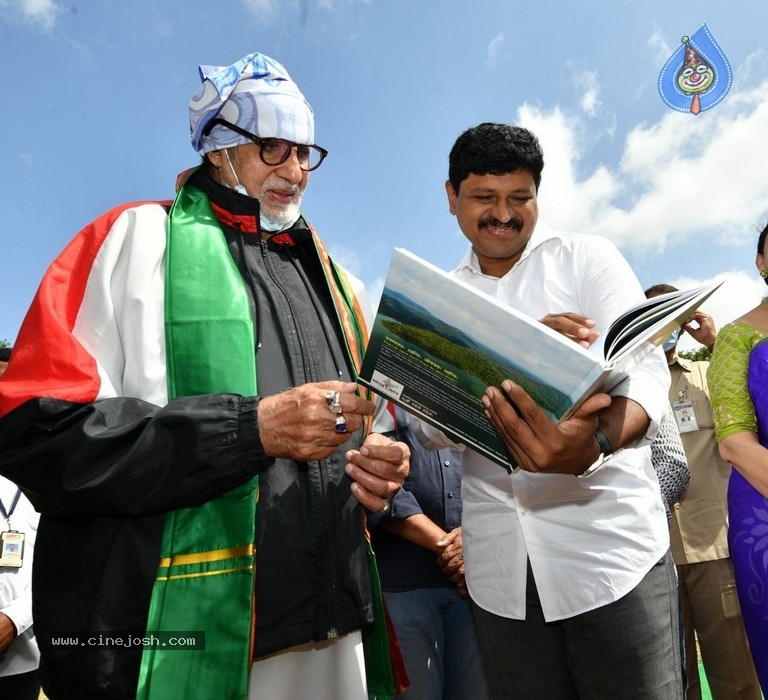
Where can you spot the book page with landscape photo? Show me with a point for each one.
(437, 344)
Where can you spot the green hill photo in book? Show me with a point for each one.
(437, 343)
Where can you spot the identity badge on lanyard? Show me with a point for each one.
(684, 413)
(11, 541)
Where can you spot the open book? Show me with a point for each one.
(437, 343)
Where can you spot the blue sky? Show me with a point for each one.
(95, 114)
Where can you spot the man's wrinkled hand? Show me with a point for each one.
(298, 424)
(378, 470)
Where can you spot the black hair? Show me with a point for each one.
(761, 241)
(658, 289)
(495, 149)
(761, 247)
(5, 354)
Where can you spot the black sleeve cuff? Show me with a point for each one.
(255, 458)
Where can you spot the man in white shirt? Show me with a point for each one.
(571, 580)
(19, 656)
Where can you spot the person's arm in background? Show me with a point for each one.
(701, 327)
(8, 630)
(749, 457)
(416, 527)
(420, 511)
(405, 518)
(734, 412)
(16, 584)
(15, 619)
(670, 463)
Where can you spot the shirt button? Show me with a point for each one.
(450, 494)
(523, 511)
(446, 463)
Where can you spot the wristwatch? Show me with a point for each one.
(606, 450)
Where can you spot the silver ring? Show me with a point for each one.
(332, 397)
(385, 508)
(341, 423)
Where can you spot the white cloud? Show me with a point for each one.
(660, 46)
(590, 99)
(564, 201)
(265, 10)
(754, 67)
(375, 289)
(40, 13)
(494, 48)
(338, 4)
(346, 257)
(681, 177)
(350, 261)
(675, 178)
(687, 170)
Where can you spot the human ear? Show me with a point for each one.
(215, 158)
(452, 195)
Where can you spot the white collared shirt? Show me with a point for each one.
(16, 584)
(590, 541)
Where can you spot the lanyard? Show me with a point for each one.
(8, 515)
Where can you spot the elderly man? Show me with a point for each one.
(181, 408)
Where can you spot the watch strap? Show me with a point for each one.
(605, 444)
(606, 450)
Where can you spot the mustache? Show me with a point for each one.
(277, 182)
(514, 223)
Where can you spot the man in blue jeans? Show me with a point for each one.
(421, 563)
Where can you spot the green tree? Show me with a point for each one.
(700, 354)
(4, 344)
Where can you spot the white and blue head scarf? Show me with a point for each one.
(256, 94)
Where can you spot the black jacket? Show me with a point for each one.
(103, 474)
